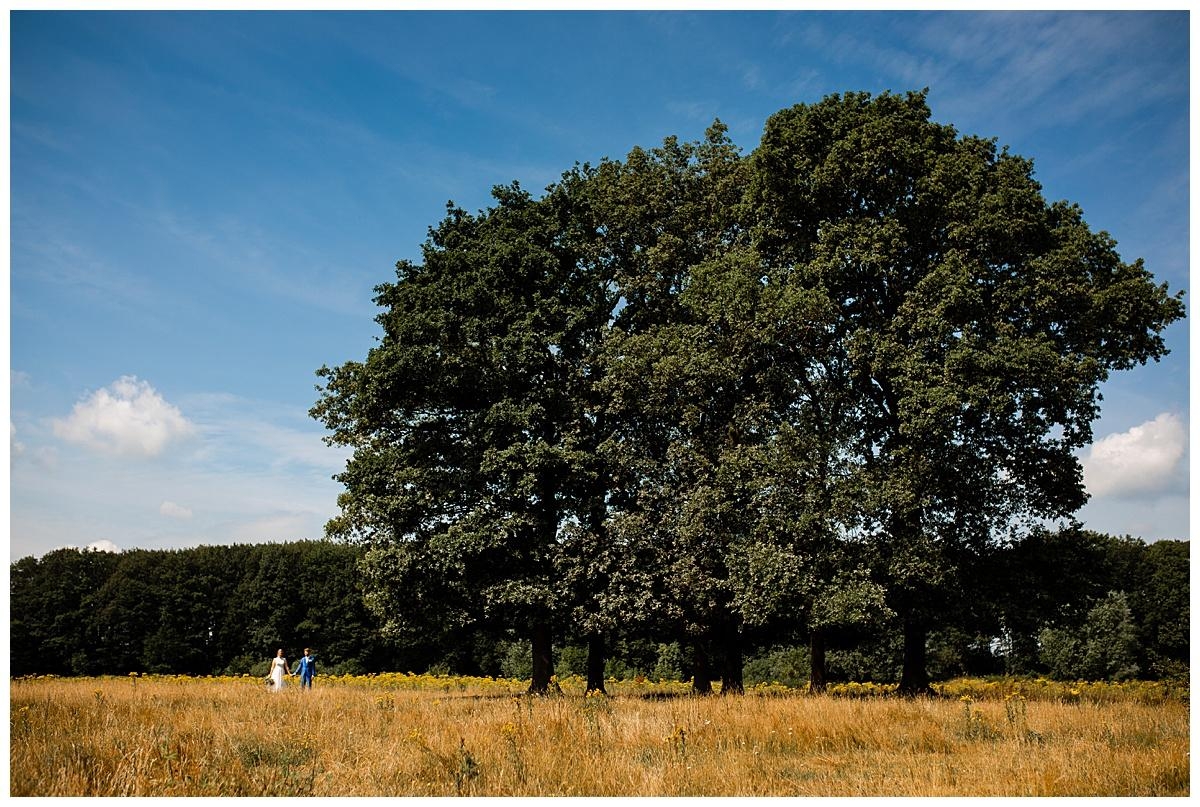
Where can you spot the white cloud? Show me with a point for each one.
(97, 546)
(1146, 459)
(15, 445)
(127, 417)
(173, 510)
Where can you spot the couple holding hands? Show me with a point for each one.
(305, 668)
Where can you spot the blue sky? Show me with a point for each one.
(201, 204)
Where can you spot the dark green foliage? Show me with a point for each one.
(670, 664)
(1160, 601)
(954, 652)
(1110, 641)
(1060, 652)
(207, 610)
(52, 605)
(471, 420)
(632, 657)
(515, 661)
(790, 666)
(1106, 649)
(1057, 591)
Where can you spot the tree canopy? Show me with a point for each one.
(814, 386)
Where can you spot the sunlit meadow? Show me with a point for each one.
(424, 735)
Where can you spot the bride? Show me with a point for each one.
(279, 669)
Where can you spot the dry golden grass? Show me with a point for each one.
(112, 737)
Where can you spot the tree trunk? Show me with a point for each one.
(595, 664)
(597, 651)
(546, 515)
(816, 644)
(701, 675)
(914, 680)
(731, 667)
(543, 660)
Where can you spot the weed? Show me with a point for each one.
(511, 737)
(677, 740)
(974, 725)
(595, 707)
(467, 769)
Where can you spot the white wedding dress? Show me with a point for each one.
(278, 669)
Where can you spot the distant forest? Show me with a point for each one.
(1068, 605)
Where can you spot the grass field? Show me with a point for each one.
(428, 736)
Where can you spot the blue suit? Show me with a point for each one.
(307, 665)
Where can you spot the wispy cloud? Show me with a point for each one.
(1062, 64)
(1068, 66)
(265, 262)
(752, 78)
(173, 510)
(275, 527)
(42, 254)
(15, 446)
(699, 111)
(43, 136)
(261, 435)
(42, 456)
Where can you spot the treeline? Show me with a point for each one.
(831, 385)
(202, 611)
(1069, 606)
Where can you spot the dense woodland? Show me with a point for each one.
(1072, 606)
(693, 405)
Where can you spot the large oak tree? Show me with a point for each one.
(978, 320)
(469, 419)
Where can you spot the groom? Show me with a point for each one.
(306, 667)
